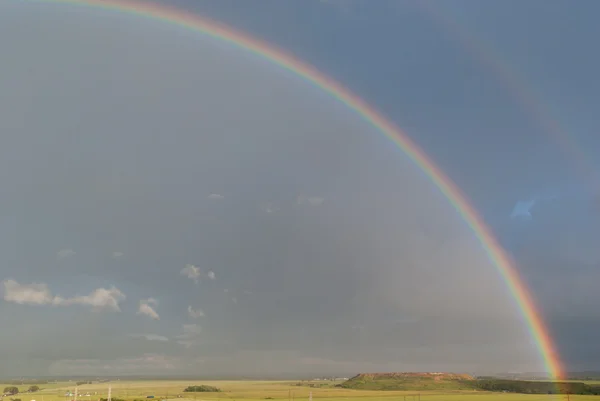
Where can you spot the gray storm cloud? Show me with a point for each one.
(150, 337)
(189, 336)
(331, 251)
(310, 200)
(65, 253)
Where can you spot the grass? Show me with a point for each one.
(264, 390)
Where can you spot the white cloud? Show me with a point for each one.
(39, 294)
(151, 301)
(195, 313)
(65, 253)
(215, 196)
(27, 294)
(101, 298)
(150, 337)
(234, 300)
(211, 275)
(310, 200)
(192, 272)
(117, 255)
(147, 309)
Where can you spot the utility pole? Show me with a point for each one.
(109, 393)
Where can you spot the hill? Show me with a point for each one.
(410, 381)
(455, 382)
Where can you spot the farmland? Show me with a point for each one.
(263, 390)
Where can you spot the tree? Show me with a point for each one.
(12, 390)
(33, 389)
(202, 389)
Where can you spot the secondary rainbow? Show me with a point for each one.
(516, 86)
(497, 256)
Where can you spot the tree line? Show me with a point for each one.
(12, 390)
(536, 387)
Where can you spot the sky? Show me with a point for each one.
(173, 205)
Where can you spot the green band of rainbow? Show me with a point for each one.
(223, 33)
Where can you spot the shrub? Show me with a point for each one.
(202, 389)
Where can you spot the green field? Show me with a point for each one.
(263, 390)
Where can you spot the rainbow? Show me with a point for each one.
(497, 256)
(514, 83)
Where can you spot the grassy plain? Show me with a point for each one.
(262, 390)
